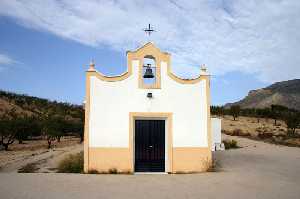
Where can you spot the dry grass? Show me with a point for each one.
(93, 171)
(71, 164)
(215, 166)
(109, 171)
(230, 144)
(33, 145)
(264, 130)
(113, 171)
(250, 126)
(29, 168)
(32, 148)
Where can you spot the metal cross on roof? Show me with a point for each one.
(149, 30)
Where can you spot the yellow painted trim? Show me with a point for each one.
(209, 129)
(191, 159)
(148, 49)
(86, 124)
(168, 116)
(139, 54)
(109, 78)
(178, 79)
(157, 84)
(114, 78)
(103, 159)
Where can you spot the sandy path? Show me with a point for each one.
(45, 160)
(261, 158)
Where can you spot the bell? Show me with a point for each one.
(148, 73)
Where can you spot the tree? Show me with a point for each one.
(217, 110)
(77, 123)
(80, 124)
(62, 128)
(235, 111)
(277, 111)
(262, 113)
(25, 126)
(266, 113)
(8, 128)
(52, 128)
(258, 114)
(22, 127)
(292, 120)
(79, 129)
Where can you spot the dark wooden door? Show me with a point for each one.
(149, 145)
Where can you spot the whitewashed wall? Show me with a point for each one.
(111, 102)
(216, 131)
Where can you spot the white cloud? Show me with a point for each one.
(255, 36)
(5, 60)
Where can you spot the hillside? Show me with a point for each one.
(285, 93)
(34, 106)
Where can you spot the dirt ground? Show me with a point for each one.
(36, 152)
(264, 130)
(252, 126)
(257, 170)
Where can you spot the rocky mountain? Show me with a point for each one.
(285, 93)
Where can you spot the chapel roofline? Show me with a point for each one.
(150, 43)
(148, 48)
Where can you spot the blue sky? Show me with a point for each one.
(45, 46)
(48, 66)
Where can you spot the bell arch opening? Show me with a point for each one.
(149, 76)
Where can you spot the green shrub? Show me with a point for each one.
(234, 144)
(71, 164)
(230, 144)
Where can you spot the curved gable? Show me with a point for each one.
(147, 50)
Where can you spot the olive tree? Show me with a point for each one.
(235, 111)
(8, 128)
(292, 120)
(277, 111)
(52, 128)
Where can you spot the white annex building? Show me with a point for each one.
(147, 119)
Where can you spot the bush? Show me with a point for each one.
(240, 132)
(291, 134)
(237, 132)
(225, 132)
(234, 144)
(215, 166)
(264, 135)
(29, 168)
(109, 171)
(93, 171)
(113, 171)
(71, 164)
(230, 144)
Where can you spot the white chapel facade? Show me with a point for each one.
(136, 125)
